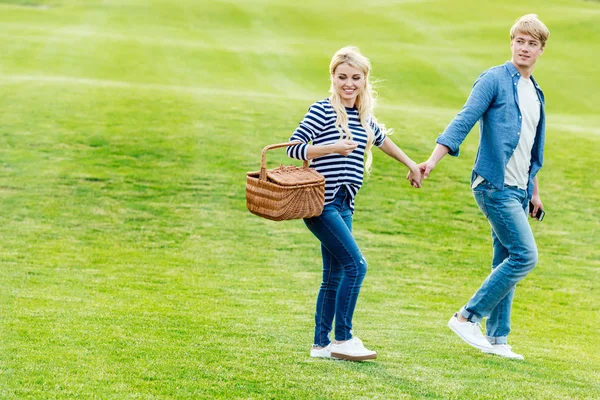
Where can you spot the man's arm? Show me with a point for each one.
(438, 153)
(535, 198)
(482, 95)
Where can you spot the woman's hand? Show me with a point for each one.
(414, 176)
(344, 147)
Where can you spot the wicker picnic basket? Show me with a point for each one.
(286, 192)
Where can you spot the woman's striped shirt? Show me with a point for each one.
(318, 127)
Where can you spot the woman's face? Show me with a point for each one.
(348, 82)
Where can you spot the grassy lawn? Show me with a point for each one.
(131, 268)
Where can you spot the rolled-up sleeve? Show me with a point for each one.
(378, 133)
(482, 95)
(307, 130)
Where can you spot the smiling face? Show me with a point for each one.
(348, 82)
(525, 52)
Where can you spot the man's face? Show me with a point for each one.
(525, 50)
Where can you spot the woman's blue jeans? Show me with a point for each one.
(515, 255)
(344, 269)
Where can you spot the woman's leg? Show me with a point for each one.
(325, 310)
(347, 295)
(333, 229)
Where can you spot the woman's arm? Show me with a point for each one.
(343, 147)
(392, 150)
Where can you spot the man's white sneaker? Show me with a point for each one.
(352, 350)
(324, 352)
(470, 332)
(503, 350)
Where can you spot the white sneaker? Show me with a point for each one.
(470, 332)
(503, 350)
(352, 350)
(324, 352)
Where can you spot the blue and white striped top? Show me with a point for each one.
(318, 127)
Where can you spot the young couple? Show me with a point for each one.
(337, 134)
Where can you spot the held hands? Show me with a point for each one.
(414, 176)
(438, 153)
(421, 171)
(344, 147)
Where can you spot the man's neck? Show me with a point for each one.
(525, 72)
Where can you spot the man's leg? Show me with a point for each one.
(497, 324)
(505, 212)
(508, 219)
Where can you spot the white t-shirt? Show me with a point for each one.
(517, 169)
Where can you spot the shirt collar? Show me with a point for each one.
(513, 71)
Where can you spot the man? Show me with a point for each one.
(509, 105)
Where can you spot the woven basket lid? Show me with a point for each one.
(294, 176)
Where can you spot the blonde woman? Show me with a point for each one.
(337, 134)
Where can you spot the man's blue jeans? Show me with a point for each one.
(344, 269)
(515, 255)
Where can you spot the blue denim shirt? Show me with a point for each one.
(495, 104)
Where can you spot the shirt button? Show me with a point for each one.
(518, 133)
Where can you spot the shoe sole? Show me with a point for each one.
(348, 357)
(326, 357)
(486, 351)
(482, 348)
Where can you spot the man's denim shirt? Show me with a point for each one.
(495, 104)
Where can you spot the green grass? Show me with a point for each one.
(131, 268)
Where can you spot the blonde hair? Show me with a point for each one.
(530, 25)
(365, 101)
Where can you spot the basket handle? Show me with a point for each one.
(263, 160)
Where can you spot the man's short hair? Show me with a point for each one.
(530, 25)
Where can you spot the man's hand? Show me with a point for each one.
(537, 204)
(438, 153)
(426, 168)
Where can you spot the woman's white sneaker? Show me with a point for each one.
(324, 352)
(503, 350)
(352, 350)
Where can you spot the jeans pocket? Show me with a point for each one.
(480, 200)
